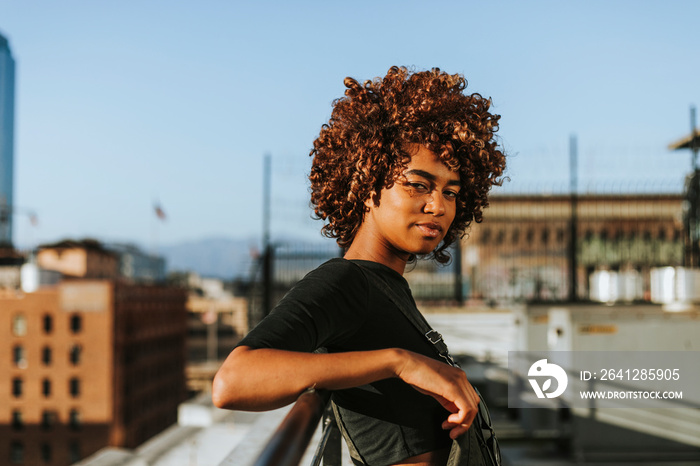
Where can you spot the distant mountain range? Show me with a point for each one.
(218, 257)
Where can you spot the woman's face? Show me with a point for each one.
(413, 216)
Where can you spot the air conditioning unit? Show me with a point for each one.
(609, 287)
(672, 285)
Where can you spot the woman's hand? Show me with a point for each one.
(447, 384)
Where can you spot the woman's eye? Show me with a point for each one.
(418, 186)
(450, 194)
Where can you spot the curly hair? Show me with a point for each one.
(366, 144)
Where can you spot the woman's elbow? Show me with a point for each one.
(224, 388)
(221, 394)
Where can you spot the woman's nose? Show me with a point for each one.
(435, 204)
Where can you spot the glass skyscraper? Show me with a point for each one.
(7, 129)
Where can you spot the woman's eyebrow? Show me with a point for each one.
(431, 177)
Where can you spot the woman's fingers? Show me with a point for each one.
(448, 385)
(457, 431)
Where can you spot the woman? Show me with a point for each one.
(401, 170)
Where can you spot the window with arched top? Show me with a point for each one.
(74, 419)
(530, 235)
(17, 420)
(486, 236)
(17, 387)
(76, 323)
(48, 323)
(75, 354)
(74, 387)
(19, 325)
(500, 236)
(19, 356)
(561, 236)
(46, 388)
(46, 355)
(48, 419)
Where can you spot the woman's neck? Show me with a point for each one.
(361, 249)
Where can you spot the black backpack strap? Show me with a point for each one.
(414, 316)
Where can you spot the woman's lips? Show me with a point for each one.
(431, 230)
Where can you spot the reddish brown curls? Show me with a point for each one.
(363, 148)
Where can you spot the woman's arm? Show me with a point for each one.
(262, 379)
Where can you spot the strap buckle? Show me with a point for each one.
(433, 336)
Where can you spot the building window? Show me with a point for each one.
(676, 235)
(516, 236)
(16, 453)
(486, 236)
(75, 354)
(46, 452)
(530, 236)
(74, 452)
(74, 387)
(500, 236)
(76, 323)
(48, 419)
(46, 388)
(16, 387)
(19, 325)
(544, 236)
(74, 420)
(48, 324)
(46, 355)
(17, 421)
(19, 356)
(662, 234)
(561, 236)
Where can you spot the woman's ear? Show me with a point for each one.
(371, 201)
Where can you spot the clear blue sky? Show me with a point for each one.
(120, 103)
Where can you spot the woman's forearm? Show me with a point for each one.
(261, 379)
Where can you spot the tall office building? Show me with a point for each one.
(7, 128)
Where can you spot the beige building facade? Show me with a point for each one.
(523, 248)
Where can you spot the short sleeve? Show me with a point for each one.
(324, 309)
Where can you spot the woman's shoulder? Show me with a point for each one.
(339, 270)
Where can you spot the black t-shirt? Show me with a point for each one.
(337, 307)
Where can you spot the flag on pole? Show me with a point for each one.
(160, 213)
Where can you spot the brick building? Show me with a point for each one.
(88, 363)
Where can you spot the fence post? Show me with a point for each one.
(332, 452)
